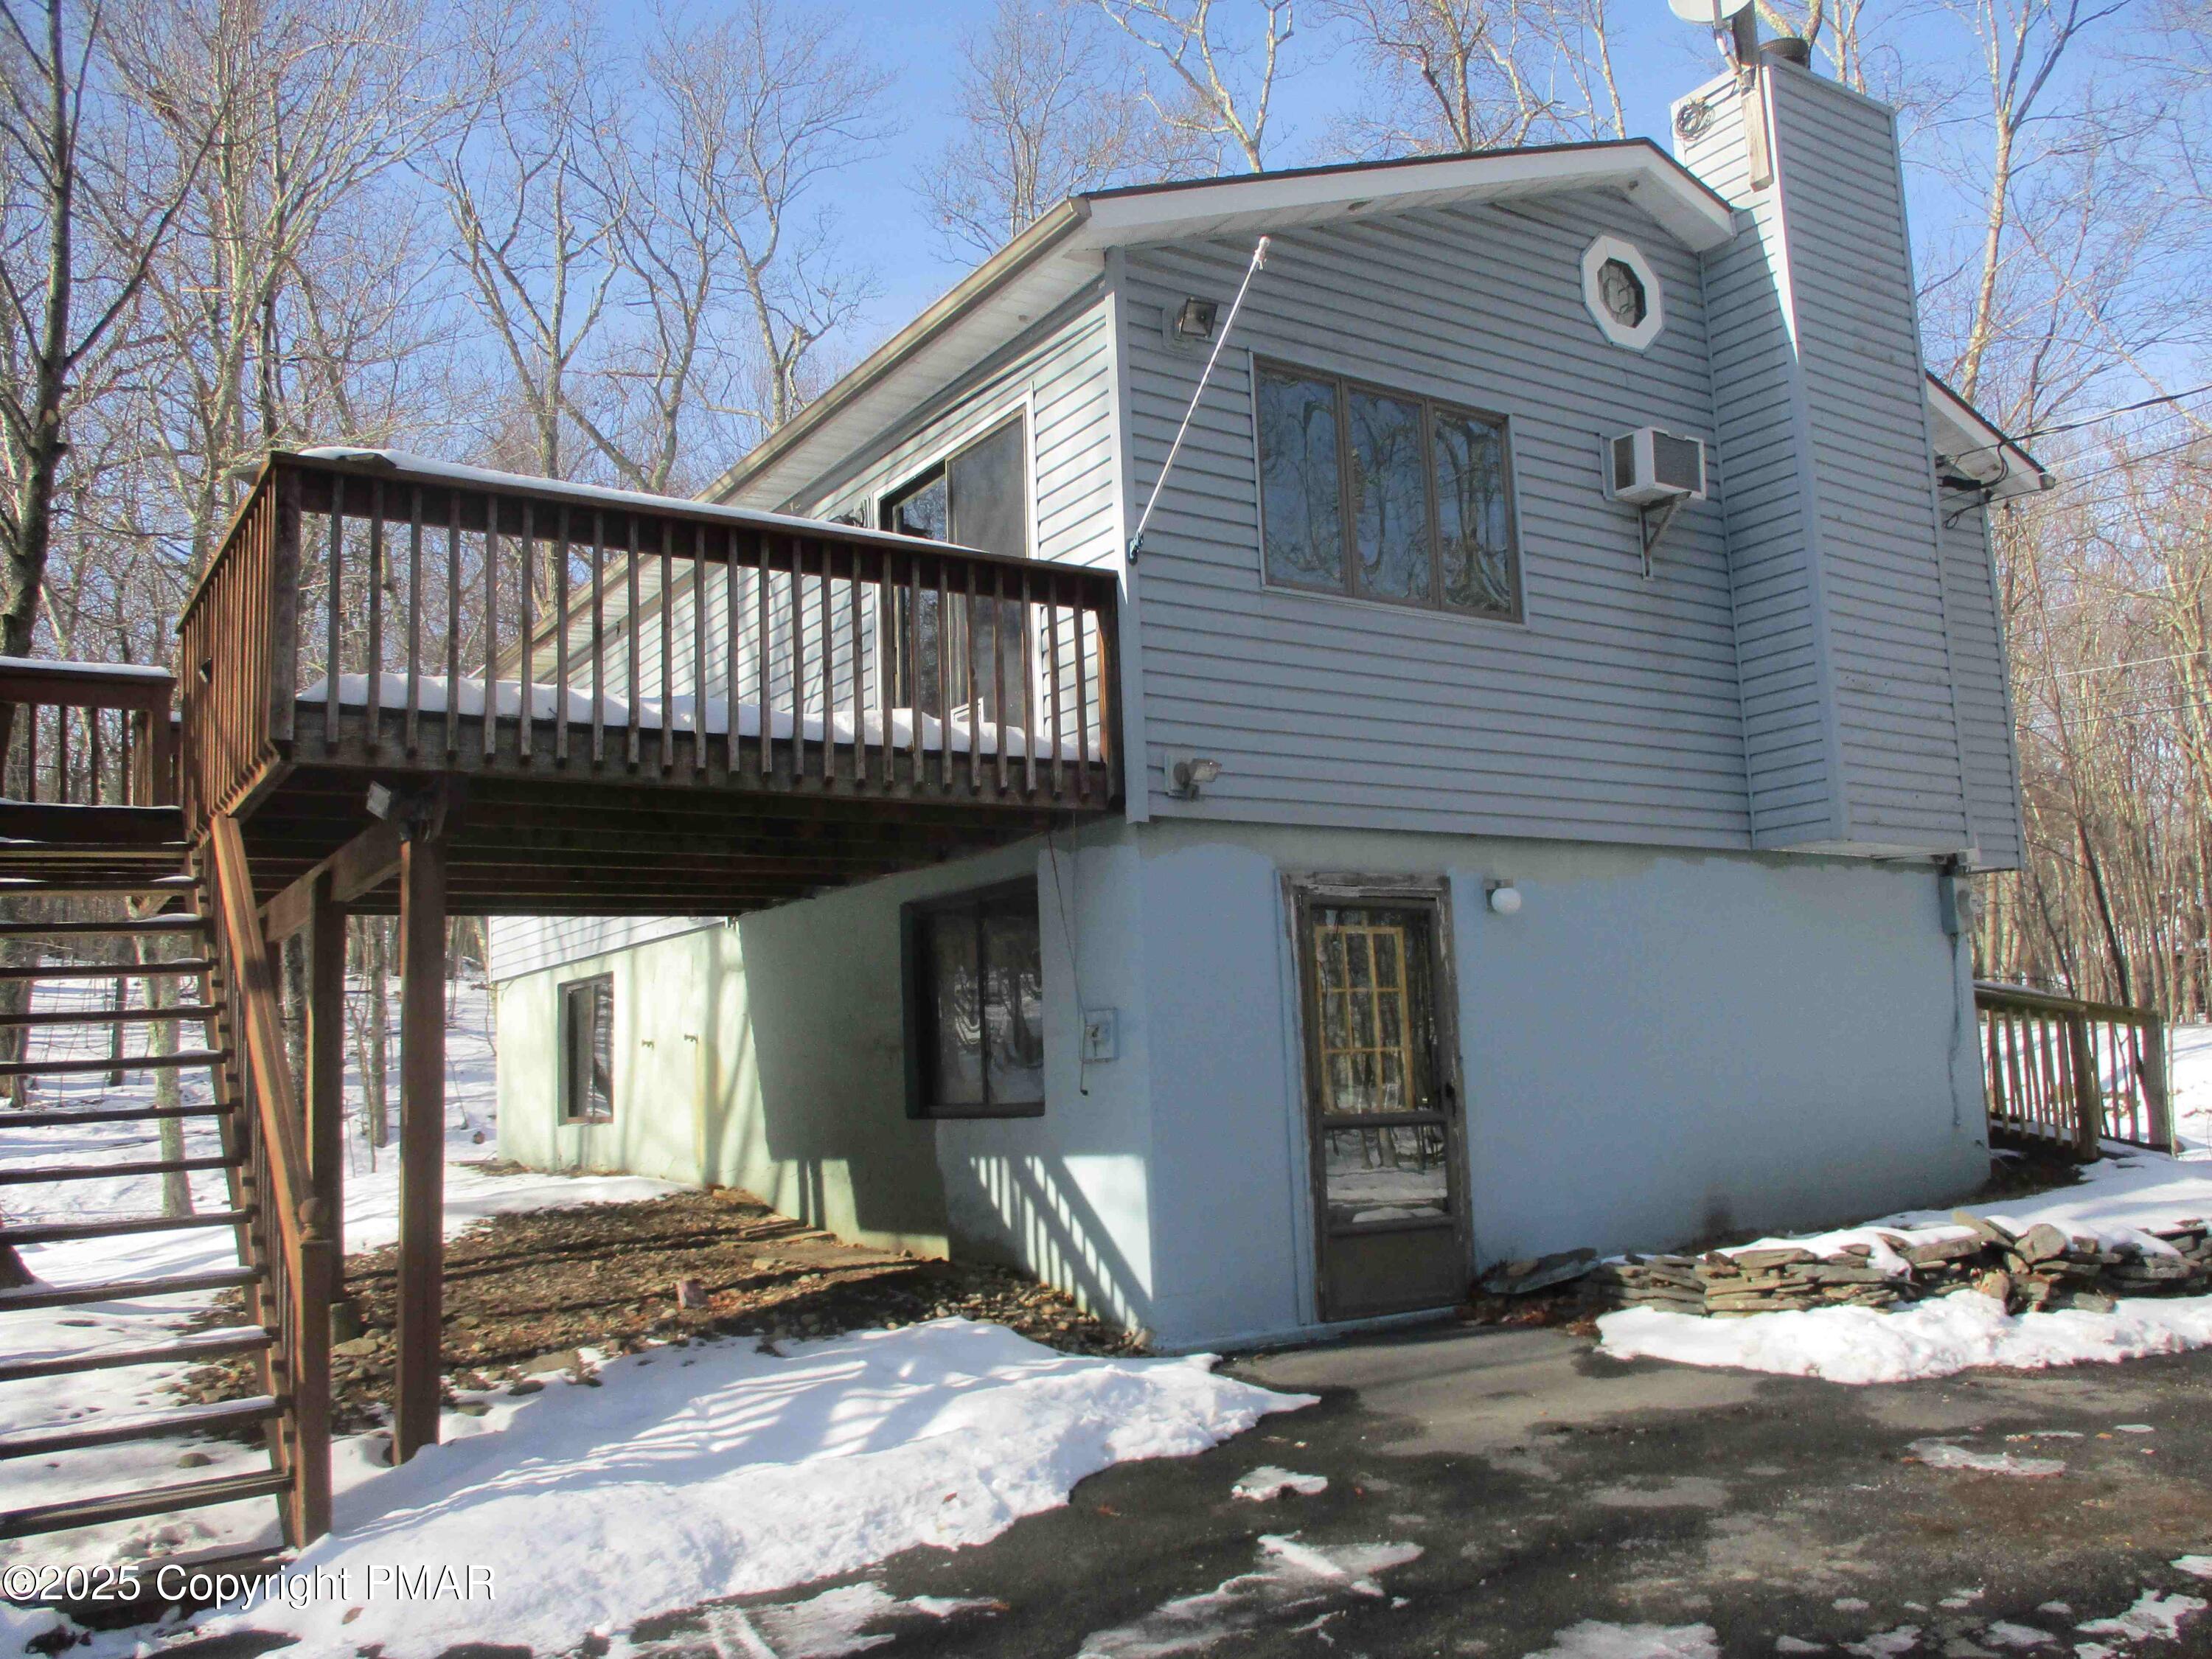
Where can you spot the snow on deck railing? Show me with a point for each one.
(803, 650)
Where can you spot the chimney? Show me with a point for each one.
(1826, 462)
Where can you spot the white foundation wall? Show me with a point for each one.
(1657, 1048)
(769, 1054)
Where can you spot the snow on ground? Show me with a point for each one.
(2189, 1054)
(372, 1209)
(719, 1469)
(1290, 1577)
(2118, 1199)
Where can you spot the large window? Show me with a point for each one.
(975, 497)
(974, 1004)
(1381, 494)
(587, 1050)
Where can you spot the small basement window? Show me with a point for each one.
(587, 1050)
(974, 1004)
(1381, 494)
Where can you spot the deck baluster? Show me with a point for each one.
(667, 748)
(1052, 627)
(413, 738)
(698, 651)
(333, 664)
(598, 636)
(1028, 684)
(561, 643)
(490, 628)
(452, 622)
(796, 608)
(829, 658)
(372, 707)
(999, 721)
(526, 599)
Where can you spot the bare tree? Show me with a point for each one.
(60, 186)
(763, 106)
(1217, 91)
(1045, 111)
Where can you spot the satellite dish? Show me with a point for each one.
(1714, 12)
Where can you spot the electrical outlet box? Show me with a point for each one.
(1101, 1033)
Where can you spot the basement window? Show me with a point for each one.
(587, 1050)
(1384, 495)
(974, 1004)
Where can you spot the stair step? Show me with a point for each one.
(13, 1120)
(183, 1010)
(130, 1506)
(125, 1290)
(39, 1172)
(213, 1418)
(107, 969)
(182, 1059)
(178, 924)
(185, 1349)
(50, 1232)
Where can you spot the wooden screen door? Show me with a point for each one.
(1383, 1102)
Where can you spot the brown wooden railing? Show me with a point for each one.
(87, 735)
(375, 612)
(2064, 1072)
(288, 1232)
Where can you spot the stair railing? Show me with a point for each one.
(87, 735)
(289, 1232)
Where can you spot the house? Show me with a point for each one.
(1538, 831)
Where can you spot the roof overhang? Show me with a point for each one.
(1969, 447)
(1055, 260)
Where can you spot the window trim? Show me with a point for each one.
(1600, 252)
(566, 991)
(1517, 615)
(918, 1010)
(940, 457)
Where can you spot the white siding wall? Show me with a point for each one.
(1611, 714)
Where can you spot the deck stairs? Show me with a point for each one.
(66, 1060)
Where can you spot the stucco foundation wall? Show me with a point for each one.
(769, 1054)
(1658, 1047)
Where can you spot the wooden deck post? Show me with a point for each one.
(325, 1083)
(421, 1141)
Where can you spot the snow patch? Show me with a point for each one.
(2153, 1615)
(729, 1472)
(1928, 1339)
(1267, 1482)
(1947, 1455)
(2006, 1634)
(1886, 1644)
(1293, 1576)
(846, 1620)
(2196, 1567)
(1595, 1639)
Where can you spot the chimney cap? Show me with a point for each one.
(1788, 49)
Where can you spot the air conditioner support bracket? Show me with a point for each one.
(1651, 521)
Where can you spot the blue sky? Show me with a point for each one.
(1657, 59)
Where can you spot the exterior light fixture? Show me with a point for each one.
(1193, 320)
(1504, 898)
(1189, 775)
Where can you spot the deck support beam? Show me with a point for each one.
(422, 1142)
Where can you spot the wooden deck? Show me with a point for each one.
(691, 710)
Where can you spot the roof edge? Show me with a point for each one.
(1047, 232)
(2017, 471)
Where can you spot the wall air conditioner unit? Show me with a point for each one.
(1647, 467)
(1654, 473)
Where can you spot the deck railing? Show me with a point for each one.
(87, 735)
(374, 610)
(288, 1233)
(2066, 1073)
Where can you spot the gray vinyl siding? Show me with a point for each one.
(1791, 752)
(1872, 463)
(1985, 715)
(1611, 714)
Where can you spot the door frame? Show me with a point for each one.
(1432, 895)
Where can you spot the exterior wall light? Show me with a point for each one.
(1189, 774)
(1504, 898)
(1194, 319)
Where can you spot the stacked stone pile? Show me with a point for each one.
(2039, 1270)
